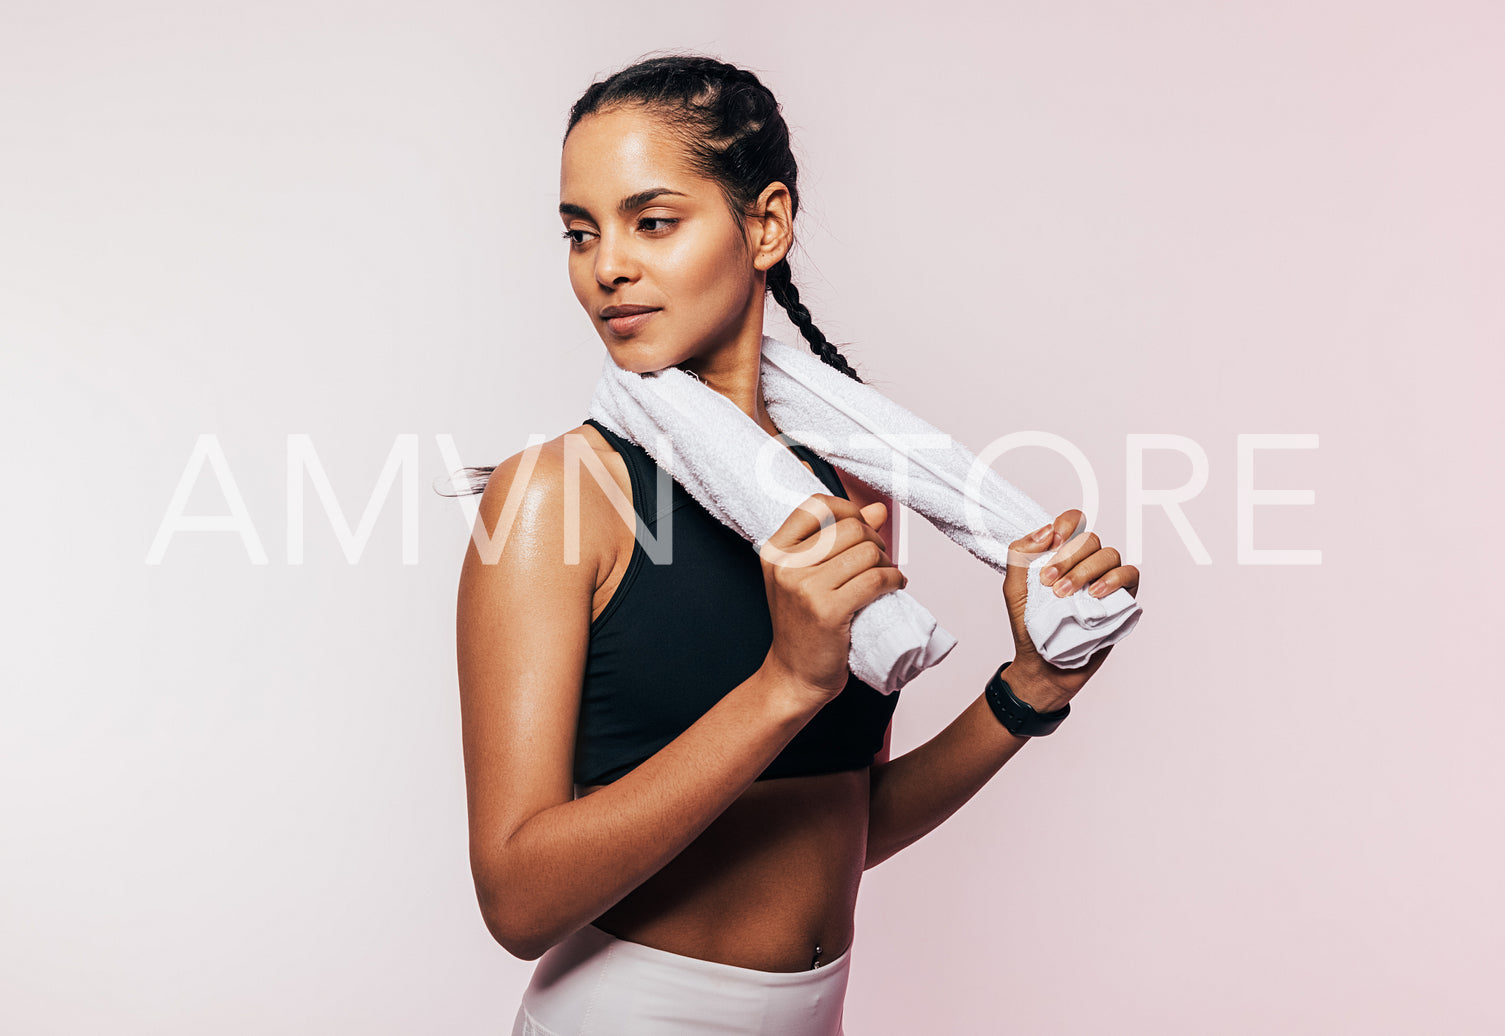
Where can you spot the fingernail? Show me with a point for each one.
(1062, 588)
(1042, 534)
(1097, 589)
(1048, 573)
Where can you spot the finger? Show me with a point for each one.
(1072, 552)
(1026, 549)
(1105, 584)
(1067, 524)
(865, 588)
(814, 513)
(851, 563)
(856, 550)
(1125, 576)
(1021, 554)
(846, 533)
(1085, 571)
(820, 546)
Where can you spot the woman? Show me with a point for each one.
(674, 781)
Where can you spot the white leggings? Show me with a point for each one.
(594, 984)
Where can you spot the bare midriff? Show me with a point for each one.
(771, 883)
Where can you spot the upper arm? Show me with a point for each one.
(522, 630)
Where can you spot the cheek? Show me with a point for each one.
(580, 276)
(705, 269)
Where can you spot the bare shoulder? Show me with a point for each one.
(523, 511)
(517, 564)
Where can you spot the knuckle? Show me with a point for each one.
(817, 504)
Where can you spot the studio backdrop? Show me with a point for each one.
(1226, 276)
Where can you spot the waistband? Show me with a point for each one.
(824, 975)
(596, 983)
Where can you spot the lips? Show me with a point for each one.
(625, 320)
(625, 311)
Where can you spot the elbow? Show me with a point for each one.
(515, 931)
(519, 942)
(512, 916)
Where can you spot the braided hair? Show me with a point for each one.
(734, 133)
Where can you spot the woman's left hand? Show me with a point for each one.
(1080, 562)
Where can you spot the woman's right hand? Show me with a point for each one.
(817, 579)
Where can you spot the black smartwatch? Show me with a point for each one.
(1020, 718)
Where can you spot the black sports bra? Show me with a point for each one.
(675, 637)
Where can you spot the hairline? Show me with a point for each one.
(666, 112)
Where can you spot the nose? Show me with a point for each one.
(616, 263)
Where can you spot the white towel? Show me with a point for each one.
(748, 479)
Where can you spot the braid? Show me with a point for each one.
(781, 284)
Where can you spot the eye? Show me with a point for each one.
(664, 223)
(576, 237)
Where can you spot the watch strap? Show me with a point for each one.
(1019, 717)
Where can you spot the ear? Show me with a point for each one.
(771, 226)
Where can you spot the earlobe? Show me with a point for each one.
(767, 258)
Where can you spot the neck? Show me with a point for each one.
(735, 369)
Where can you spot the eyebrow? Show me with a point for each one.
(627, 204)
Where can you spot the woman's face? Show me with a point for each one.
(655, 257)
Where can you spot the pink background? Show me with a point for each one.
(232, 793)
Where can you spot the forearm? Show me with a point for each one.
(912, 795)
(568, 864)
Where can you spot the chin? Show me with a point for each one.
(642, 357)
(637, 362)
